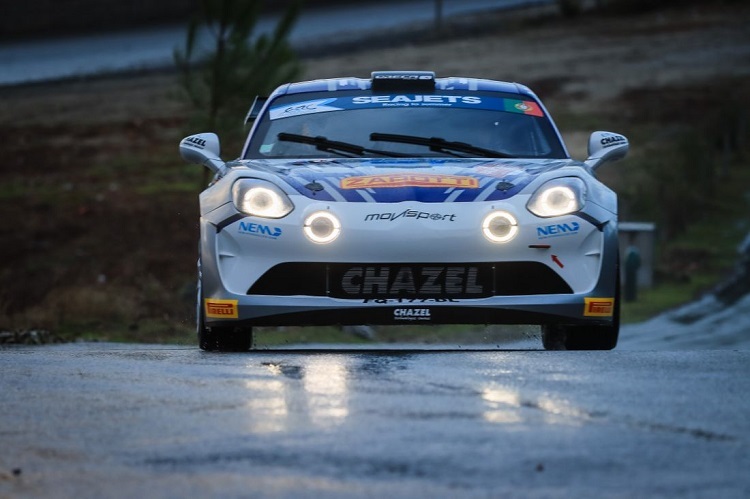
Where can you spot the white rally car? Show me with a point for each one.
(407, 199)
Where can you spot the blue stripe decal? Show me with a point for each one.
(426, 180)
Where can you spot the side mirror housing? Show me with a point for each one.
(605, 147)
(203, 149)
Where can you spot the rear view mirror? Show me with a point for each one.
(203, 149)
(605, 147)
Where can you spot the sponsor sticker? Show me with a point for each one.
(418, 215)
(301, 108)
(409, 180)
(557, 230)
(420, 281)
(412, 314)
(405, 101)
(259, 230)
(522, 106)
(598, 307)
(195, 141)
(221, 309)
(612, 140)
(417, 100)
(403, 76)
(385, 301)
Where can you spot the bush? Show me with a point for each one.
(221, 82)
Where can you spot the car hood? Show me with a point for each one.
(392, 180)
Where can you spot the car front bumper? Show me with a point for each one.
(242, 284)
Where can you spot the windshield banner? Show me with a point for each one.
(405, 100)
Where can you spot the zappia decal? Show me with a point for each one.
(409, 180)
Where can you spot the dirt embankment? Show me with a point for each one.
(99, 213)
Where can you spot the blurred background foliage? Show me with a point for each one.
(237, 64)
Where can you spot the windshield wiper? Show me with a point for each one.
(438, 144)
(323, 144)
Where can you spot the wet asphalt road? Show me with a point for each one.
(107, 420)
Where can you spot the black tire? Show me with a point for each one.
(556, 337)
(224, 339)
(553, 337)
(221, 339)
(561, 337)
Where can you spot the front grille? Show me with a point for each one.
(410, 280)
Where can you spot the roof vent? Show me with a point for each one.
(403, 80)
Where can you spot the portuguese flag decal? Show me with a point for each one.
(522, 106)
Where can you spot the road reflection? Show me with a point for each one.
(506, 406)
(267, 405)
(326, 391)
(503, 405)
(322, 392)
(314, 394)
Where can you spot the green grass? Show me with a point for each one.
(695, 261)
(651, 302)
(149, 330)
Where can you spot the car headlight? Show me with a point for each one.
(499, 227)
(322, 227)
(560, 196)
(261, 199)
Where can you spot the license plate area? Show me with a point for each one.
(368, 281)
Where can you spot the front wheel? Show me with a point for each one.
(557, 337)
(222, 338)
(561, 337)
(225, 339)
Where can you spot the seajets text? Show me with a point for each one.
(416, 99)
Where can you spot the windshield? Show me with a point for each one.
(361, 124)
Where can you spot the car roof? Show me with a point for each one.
(402, 82)
(447, 83)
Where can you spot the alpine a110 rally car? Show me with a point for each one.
(406, 199)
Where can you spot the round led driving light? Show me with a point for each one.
(499, 227)
(322, 227)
